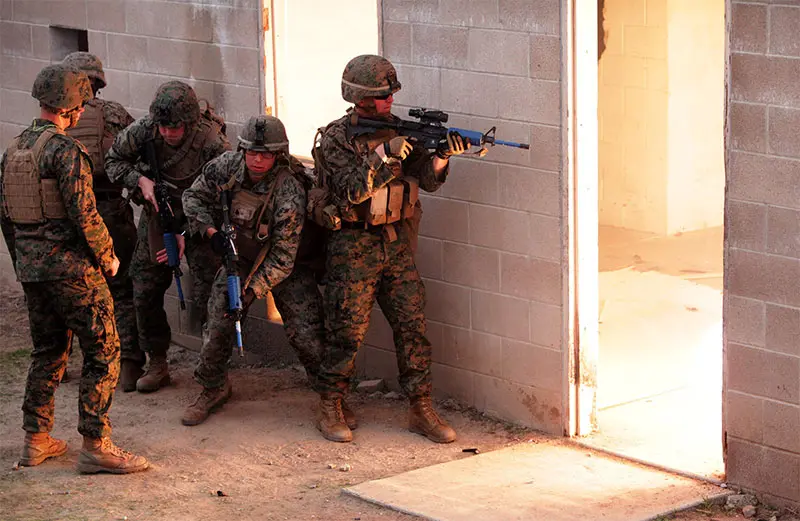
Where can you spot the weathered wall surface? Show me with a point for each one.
(491, 247)
(762, 268)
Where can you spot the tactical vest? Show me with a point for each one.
(179, 168)
(92, 133)
(27, 198)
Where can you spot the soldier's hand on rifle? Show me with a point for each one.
(112, 271)
(218, 243)
(398, 147)
(161, 255)
(455, 145)
(147, 186)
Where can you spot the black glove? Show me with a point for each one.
(218, 243)
(455, 145)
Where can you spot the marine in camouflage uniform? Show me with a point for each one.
(367, 261)
(101, 121)
(61, 251)
(184, 141)
(267, 194)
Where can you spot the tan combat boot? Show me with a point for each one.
(349, 416)
(101, 455)
(422, 419)
(39, 446)
(330, 420)
(129, 373)
(208, 401)
(156, 376)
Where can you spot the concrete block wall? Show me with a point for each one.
(762, 264)
(491, 249)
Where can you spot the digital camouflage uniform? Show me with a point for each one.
(294, 287)
(125, 164)
(60, 262)
(101, 121)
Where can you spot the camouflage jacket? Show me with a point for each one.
(285, 213)
(125, 163)
(355, 177)
(116, 117)
(70, 248)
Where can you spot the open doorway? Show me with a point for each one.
(661, 95)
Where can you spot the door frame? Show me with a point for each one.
(580, 92)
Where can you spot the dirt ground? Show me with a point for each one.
(259, 458)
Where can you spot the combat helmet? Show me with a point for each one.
(264, 134)
(62, 87)
(368, 75)
(174, 103)
(88, 63)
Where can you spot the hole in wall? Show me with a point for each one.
(65, 40)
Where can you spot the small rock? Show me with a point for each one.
(740, 500)
(312, 486)
(331, 465)
(773, 518)
(371, 386)
(345, 468)
(392, 395)
(16, 466)
(723, 485)
(377, 394)
(749, 511)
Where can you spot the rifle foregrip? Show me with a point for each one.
(171, 245)
(234, 293)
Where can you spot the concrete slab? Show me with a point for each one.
(551, 481)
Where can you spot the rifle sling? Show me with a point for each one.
(262, 254)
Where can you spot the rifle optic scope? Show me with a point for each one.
(429, 115)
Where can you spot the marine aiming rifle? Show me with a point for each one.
(429, 131)
(231, 258)
(166, 218)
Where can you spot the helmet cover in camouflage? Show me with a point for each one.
(88, 63)
(368, 75)
(264, 134)
(174, 103)
(62, 87)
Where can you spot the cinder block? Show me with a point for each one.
(127, 52)
(421, 87)
(646, 42)
(545, 57)
(103, 15)
(471, 13)
(171, 57)
(748, 72)
(379, 333)
(519, 132)
(447, 303)
(760, 468)
(530, 190)
(471, 266)
(397, 42)
(477, 352)
(744, 320)
(444, 219)
(232, 26)
(782, 131)
(371, 386)
(6, 9)
(500, 315)
(763, 373)
(782, 329)
(98, 46)
(529, 406)
(783, 23)
(236, 103)
(764, 277)
(379, 363)
(15, 39)
(782, 425)
(19, 73)
(534, 366)
(142, 88)
(547, 325)
(486, 45)
(41, 42)
(118, 88)
(426, 11)
(762, 179)
(18, 106)
(452, 382)
(744, 416)
(535, 16)
(181, 21)
(783, 226)
(69, 13)
(546, 238)
(440, 46)
(534, 101)
(499, 228)
(429, 258)
(472, 180)
(749, 28)
(466, 92)
(530, 278)
(546, 145)
(748, 128)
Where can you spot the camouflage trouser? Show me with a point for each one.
(151, 281)
(300, 304)
(362, 266)
(84, 306)
(118, 217)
